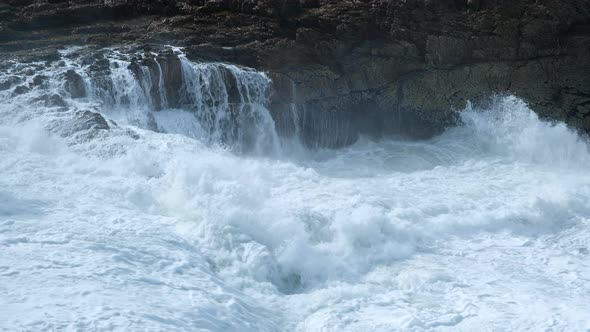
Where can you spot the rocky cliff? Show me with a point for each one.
(347, 67)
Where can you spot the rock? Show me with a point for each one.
(171, 71)
(86, 120)
(55, 101)
(79, 125)
(443, 51)
(39, 80)
(21, 89)
(231, 85)
(165, 68)
(44, 54)
(74, 84)
(9, 82)
(100, 65)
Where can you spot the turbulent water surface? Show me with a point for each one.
(127, 210)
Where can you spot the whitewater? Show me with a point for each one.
(121, 213)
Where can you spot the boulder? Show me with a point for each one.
(9, 82)
(55, 100)
(74, 84)
(21, 89)
(39, 80)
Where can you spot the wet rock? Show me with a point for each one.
(6, 33)
(55, 100)
(135, 68)
(165, 75)
(91, 59)
(79, 125)
(20, 3)
(46, 54)
(154, 73)
(86, 120)
(100, 65)
(443, 51)
(39, 80)
(231, 85)
(102, 82)
(101, 29)
(74, 84)
(9, 82)
(21, 89)
(172, 77)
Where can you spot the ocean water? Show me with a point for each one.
(198, 219)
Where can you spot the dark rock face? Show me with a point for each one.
(166, 77)
(80, 125)
(167, 68)
(74, 84)
(9, 82)
(54, 100)
(345, 66)
(39, 80)
(87, 120)
(51, 101)
(21, 89)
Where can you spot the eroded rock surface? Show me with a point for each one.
(74, 84)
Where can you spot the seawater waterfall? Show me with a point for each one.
(165, 92)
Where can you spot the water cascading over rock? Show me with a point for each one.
(161, 91)
(227, 101)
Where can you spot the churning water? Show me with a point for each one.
(140, 207)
